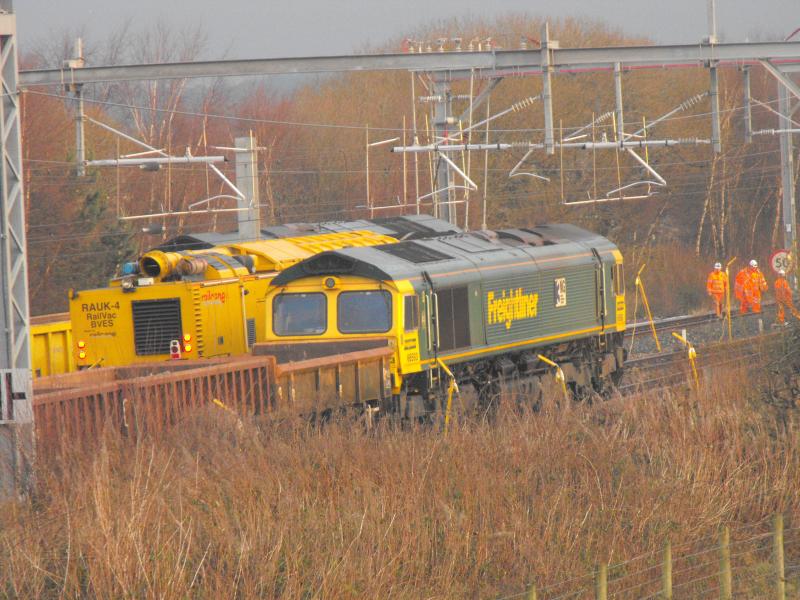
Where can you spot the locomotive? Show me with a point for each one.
(478, 309)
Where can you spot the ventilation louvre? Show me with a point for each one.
(251, 332)
(155, 324)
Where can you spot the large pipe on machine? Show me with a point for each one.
(159, 264)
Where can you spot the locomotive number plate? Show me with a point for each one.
(560, 290)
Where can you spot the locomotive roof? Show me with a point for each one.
(451, 256)
(402, 227)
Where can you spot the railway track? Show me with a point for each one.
(673, 368)
(689, 321)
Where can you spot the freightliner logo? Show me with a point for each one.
(512, 305)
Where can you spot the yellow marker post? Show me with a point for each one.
(692, 356)
(453, 387)
(640, 289)
(559, 374)
(728, 297)
(225, 407)
(222, 405)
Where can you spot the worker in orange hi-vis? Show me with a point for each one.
(738, 288)
(783, 296)
(754, 284)
(716, 286)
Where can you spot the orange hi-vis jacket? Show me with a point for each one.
(783, 293)
(739, 283)
(717, 283)
(754, 284)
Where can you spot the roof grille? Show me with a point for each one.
(413, 252)
(155, 324)
(406, 228)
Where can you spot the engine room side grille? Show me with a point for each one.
(413, 252)
(251, 332)
(155, 324)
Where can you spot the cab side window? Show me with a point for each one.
(410, 313)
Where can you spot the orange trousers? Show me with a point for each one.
(719, 302)
(782, 307)
(752, 304)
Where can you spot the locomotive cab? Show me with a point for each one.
(337, 314)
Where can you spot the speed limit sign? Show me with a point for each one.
(780, 261)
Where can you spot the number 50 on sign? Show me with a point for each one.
(781, 260)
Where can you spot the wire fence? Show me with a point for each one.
(759, 560)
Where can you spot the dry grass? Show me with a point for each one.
(283, 509)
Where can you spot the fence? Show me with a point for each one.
(138, 400)
(756, 561)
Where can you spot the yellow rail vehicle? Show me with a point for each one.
(51, 345)
(191, 304)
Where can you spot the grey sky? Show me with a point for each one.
(312, 27)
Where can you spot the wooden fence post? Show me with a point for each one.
(532, 592)
(601, 582)
(666, 572)
(777, 557)
(725, 583)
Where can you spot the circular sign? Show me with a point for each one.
(780, 261)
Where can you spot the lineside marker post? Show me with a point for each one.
(452, 387)
(692, 353)
(559, 374)
(640, 290)
(728, 297)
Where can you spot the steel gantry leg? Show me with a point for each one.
(77, 62)
(716, 139)
(746, 102)
(441, 112)
(547, 92)
(247, 182)
(16, 396)
(618, 111)
(787, 175)
(80, 146)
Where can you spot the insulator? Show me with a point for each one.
(523, 103)
(692, 101)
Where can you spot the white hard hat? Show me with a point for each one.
(717, 265)
(754, 263)
(781, 272)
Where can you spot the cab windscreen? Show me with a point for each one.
(364, 312)
(299, 314)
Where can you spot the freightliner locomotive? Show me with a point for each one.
(485, 306)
